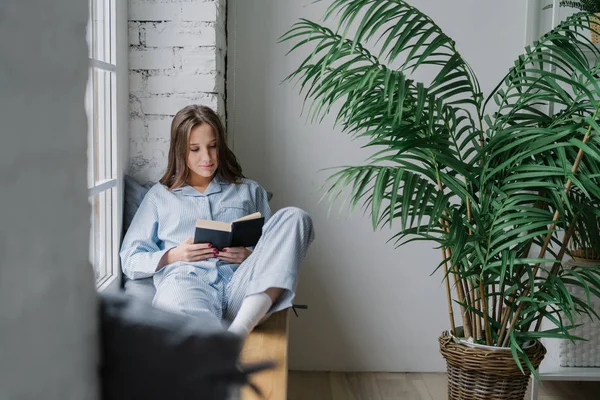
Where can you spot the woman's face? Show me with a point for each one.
(203, 152)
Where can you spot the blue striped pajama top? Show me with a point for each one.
(167, 218)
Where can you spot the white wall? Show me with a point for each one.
(370, 307)
(176, 58)
(48, 347)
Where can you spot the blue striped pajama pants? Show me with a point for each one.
(216, 294)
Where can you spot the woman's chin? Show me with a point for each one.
(207, 173)
(204, 173)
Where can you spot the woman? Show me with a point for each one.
(204, 181)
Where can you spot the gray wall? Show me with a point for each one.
(370, 307)
(47, 297)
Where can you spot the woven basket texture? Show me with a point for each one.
(481, 374)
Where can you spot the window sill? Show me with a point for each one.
(109, 285)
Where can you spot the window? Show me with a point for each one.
(104, 140)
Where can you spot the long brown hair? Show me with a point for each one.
(185, 120)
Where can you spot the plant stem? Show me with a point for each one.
(494, 299)
(505, 315)
(501, 302)
(469, 300)
(461, 296)
(488, 335)
(456, 272)
(514, 320)
(476, 319)
(448, 292)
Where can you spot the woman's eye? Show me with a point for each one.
(194, 150)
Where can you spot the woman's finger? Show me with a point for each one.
(223, 257)
(200, 252)
(199, 255)
(232, 251)
(200, 246)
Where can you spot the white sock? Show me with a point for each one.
(253, 309)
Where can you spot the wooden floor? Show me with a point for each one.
(270, 342)
(387, 386)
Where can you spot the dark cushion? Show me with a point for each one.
(134, 194)
(150, 354)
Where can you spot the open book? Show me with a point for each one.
(243, 232)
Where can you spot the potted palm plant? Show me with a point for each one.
(488, 180)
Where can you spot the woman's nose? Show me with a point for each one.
(204, 155)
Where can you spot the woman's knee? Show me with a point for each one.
(165, 299)
(299, 219)
(171, 292)
(296, 214)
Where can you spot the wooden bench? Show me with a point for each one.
(269, 341)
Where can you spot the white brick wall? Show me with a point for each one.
(176, 58)
(170, 104)
(157, 127)
(179, 34)
(151, 58)
(134, 34)
(198, 60)
(136, 83)
(180, 83)
(154, 11)
(206, 12)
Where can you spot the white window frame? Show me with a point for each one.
(117, 109)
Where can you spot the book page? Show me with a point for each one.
(248, 217)
(214, 225)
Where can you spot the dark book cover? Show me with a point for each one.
(244, 232)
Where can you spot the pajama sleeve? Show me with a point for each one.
(261, 202)
(142, 250)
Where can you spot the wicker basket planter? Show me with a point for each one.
(595, 26)
(481, 373)
(585, 255)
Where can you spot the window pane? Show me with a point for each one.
(113, 125)
(113, 31)
(103, 121)
(102, 235)
(89, 110)
(100, 105)
(89, 32)
(102, 30)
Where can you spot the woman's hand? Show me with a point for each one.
(188, 252)
(234, 255)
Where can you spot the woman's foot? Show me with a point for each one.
(252, 311)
